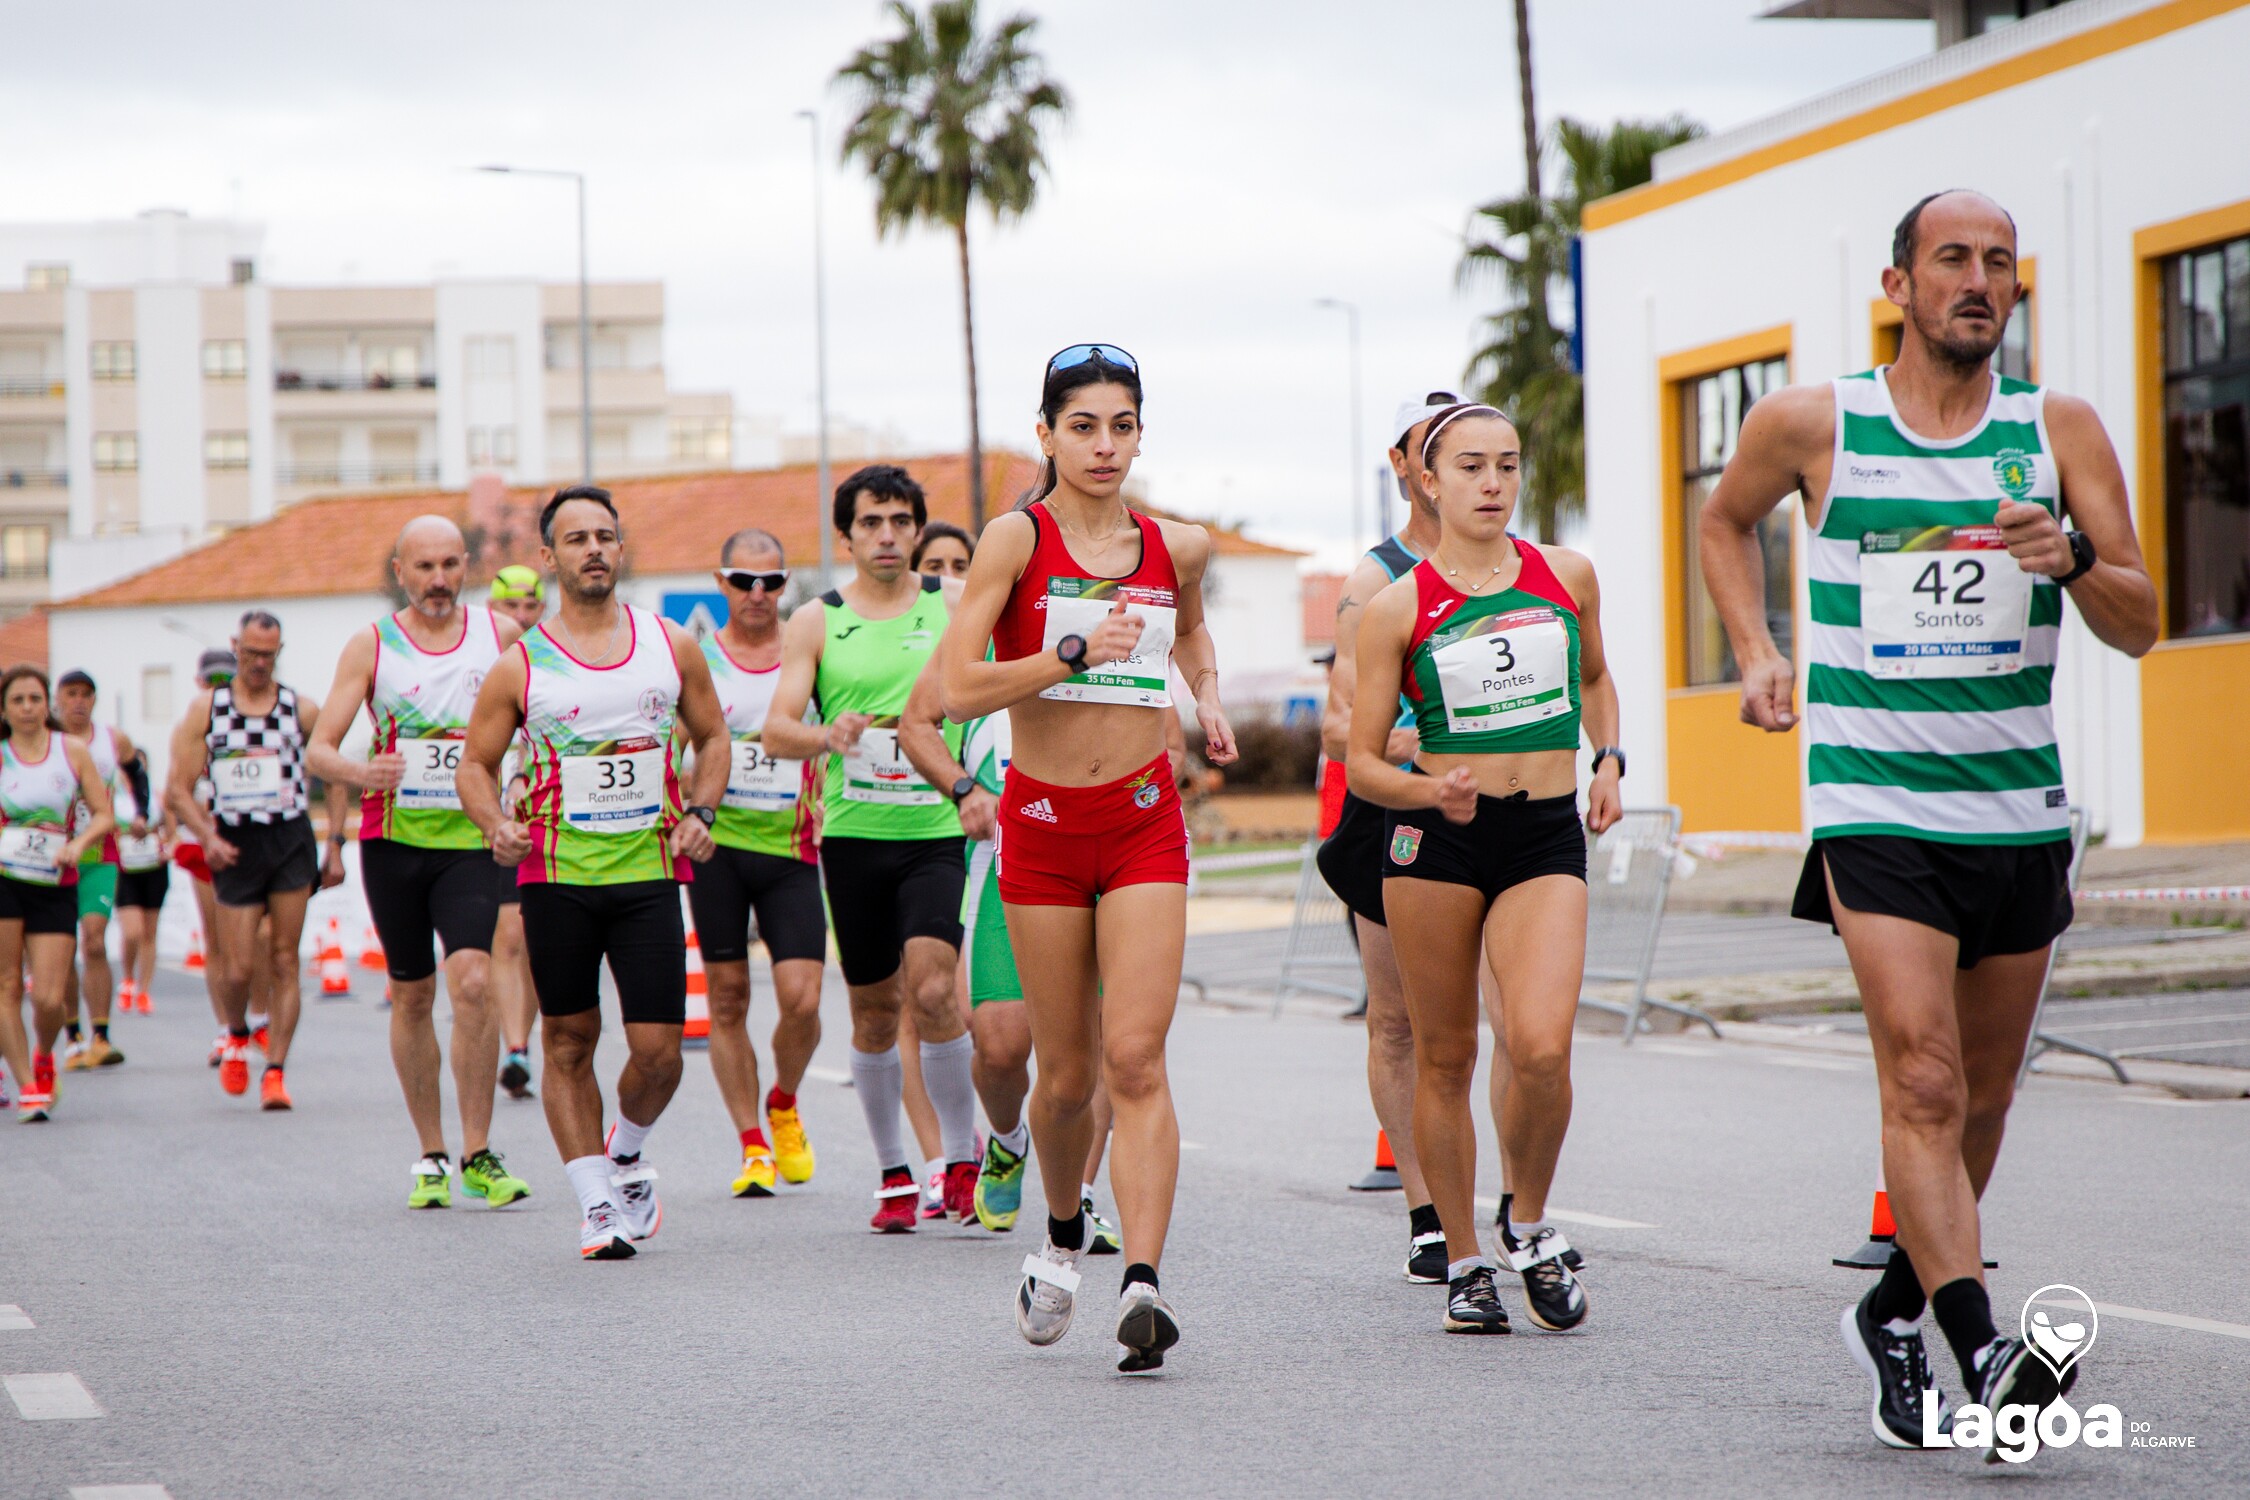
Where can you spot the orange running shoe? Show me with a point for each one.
(272, 1092)
(260, 1038)
(234, 1065)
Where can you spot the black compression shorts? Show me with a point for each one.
(785, 893)
(1351, 858)
(1995, 898)
(883, 891)
(271, 859)
(569, 929)
(144, 888)
(43, 909)
(413, 892)
(1511, 840)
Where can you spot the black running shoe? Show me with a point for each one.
(1146, 1327)
(1570, 1258)
(1900, 1368)
(515, 1074)
(1556, 1301)
(2010, 1374)
(1425, 1258)
(1472, 1305)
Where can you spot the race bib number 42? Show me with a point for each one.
(1510, 670)
(247, 781)
(1076, 605)
(616, 791)
(756, 782)
(876, 770)
(1941, 601)
(430, 766)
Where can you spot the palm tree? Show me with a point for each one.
(1524, 366)
(950, 114)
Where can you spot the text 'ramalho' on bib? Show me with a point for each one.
(617, 789)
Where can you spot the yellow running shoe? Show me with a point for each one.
(756, 1180)
(792, 1153)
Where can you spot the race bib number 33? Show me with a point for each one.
(1076, 605)
(619, 791)
(1510, 670)
(1941, 601)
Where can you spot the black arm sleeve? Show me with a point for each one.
(136, 777)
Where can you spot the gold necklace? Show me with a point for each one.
(1455, 573)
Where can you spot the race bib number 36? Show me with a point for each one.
(1508, 671)
(757, 782)
(1941, 601)
(876, 770)
(247, 781)
(430, 766)
(620, 791)
(32, 855)
(1076, 605)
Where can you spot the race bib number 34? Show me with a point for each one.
(620, 791)
(876, 770)
(1510, 670)
(428, 780)
(756, 782)
(1076, 605)
(1941, 601)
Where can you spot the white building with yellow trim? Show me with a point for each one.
(2117, 133)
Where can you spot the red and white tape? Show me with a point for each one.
(2192, 895)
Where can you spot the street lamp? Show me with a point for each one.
(821, 519)
(1350, 311)
(585, 317)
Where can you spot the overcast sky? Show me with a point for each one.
(1225, 165)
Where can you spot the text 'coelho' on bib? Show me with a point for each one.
(1941, 601)
(1075, 606)
(617, 790)
(1505, 670)
(427, 781)
(876, 770)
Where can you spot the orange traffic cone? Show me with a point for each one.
(335, 975)
(698, 992)
(1882, 1235)
(371, 949)
(194, 959)
(1383, 1178)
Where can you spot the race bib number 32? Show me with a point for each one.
(1941, 601)
(32, 855)
(1510, 670)
(428, 779)
(1076, 605)
(617, 791)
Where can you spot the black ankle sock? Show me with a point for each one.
(273, 1067)
(1067, 1234)
(70, 1029)
(101, 1030)
(1898, 1292)
(1423, 1220)
(1964, 1311)
(239, 1033)
(1138, 1271)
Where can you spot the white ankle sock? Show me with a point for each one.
(626, 1140)
(1017, 1140)
(1524, 1232)
(589, 1178)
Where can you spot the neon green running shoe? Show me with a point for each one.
(1102, 1237)
(485, 1176)
(433, 1183)
(999, 1187)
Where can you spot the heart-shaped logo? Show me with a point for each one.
(2060, 1324)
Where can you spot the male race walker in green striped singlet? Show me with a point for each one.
(890, 842)
(1935, 491)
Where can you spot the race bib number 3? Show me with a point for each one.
(32, 855)
(1942, 601)
(428, 781)
(247, 781)
(1510, 670)
(876, 770)
(620, 791)
(756, 782)
(1076, 605)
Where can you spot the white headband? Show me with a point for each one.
(1451, 415)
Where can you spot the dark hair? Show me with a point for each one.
(16, 674)
(593, 492)
(263, 619)
(1059, 385)
(1434, 398)
(77, 677)
(884, 482)
(935, 530)
(1906, 239)
(1445, 419)
(748, 539)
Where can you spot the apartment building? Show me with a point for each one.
(154, 390)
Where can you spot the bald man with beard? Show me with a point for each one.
(423, 864)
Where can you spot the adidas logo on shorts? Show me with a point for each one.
(1039, 810)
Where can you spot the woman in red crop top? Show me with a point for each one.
(1086, 605)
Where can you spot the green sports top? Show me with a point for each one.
(868, 667)
(1496, 675)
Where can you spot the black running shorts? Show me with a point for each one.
(1351, 858)
(883, 891)
(1511, 840)
(43, 909)
(413, 892)
(271, 859)
(784, 892)
(509, 892)
(569, 929)
(144, 888)
(1994, 898)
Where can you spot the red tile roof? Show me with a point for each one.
(673, 524)
(1321, 591)
(24, 639)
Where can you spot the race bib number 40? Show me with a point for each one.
(32, 855)
(756, 782)
(616, 791)
(430, 766)
(247, 781)
(1510, 670)
(1942, 601)
(1076, 605)
(876, 770)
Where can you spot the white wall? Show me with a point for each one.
(2081, 158)
(168, 387)
(159, 245)
(467, 309)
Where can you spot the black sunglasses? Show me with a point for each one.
(1108, 354)
(771, 582)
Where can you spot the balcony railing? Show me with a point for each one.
(31, 385)
(306, 380)
(25, 479)
(367, 473)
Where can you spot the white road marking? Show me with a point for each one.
(1193, 1146)
(1573, 1216)
(119, 1492)
(829, 1075)
(13, 1317)
(1818, 1064)
(49, 1398)
(2169, 1320)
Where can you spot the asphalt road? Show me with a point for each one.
(256, 1313)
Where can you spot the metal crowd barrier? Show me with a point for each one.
(2047, 1041)
(1628, 875)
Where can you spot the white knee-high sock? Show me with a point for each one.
(953, 1093)
(880, 1083)
(589, 1179)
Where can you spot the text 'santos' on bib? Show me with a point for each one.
(1505, 671)
(1942, 601)
(1076, 606)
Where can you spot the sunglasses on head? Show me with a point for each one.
(1108, 354)
(770, 582)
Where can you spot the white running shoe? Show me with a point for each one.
(1048, 1295)
(636, 1199)
(602, 1235)
(1146, 1328)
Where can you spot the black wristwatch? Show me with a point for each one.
(2081, 549)
(962, 788)
(1607, 752)
(1072, 650)
(709, 815)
